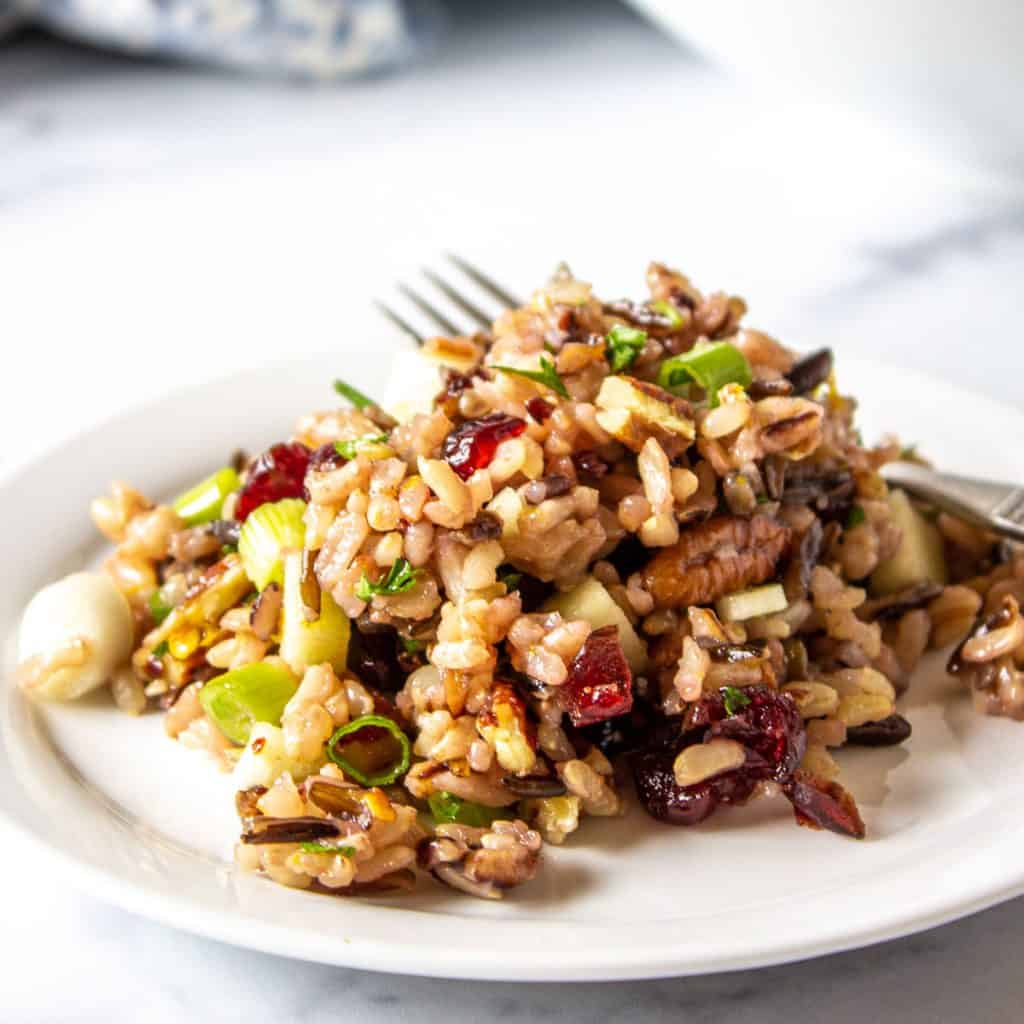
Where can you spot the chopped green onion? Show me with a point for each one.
(159, 606)
(338, 851)
(350, 449)
(856, 517)
(667, 310)
(733, 699)
(411, 646)
(400, 577)
(243, 696)
(372, 749)
(448, 808)
(161, 649)
(546, 375)
(203, 503)
(711, 365)
(624, 344)
(356, 397)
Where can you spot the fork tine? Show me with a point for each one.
(475, 313)
(446, 325)
(506, 298)
(403, 325)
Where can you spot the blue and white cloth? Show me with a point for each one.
(318, 39)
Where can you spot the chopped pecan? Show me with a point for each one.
(634, 410)
(718, 557)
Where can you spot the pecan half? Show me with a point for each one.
(720, 556)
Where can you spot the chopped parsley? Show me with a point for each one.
(733, 699)
(623, 344)
(161, 649)
(356, 397)
(399, 578)
(343, 851)
(546, 375)
(350, 449)
(159, 606)
(411, 646)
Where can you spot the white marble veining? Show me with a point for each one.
(156, 220)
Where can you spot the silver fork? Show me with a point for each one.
(993, 506)
(480, 319)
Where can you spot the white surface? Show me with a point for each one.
(951, 77)
(153, 217)
(626, 898)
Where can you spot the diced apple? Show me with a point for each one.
(919, 557)
(591, 602)
(264, 759)
(748, 604)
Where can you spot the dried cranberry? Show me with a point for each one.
(769, 727)
(642, 728)
(599, 684)
(472, 446)
(278, 473)
(539, 409)
(665, 800)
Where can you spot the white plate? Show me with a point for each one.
(136, 819)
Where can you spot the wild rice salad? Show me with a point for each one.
(627, 542)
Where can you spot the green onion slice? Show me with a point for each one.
(203, 503)
(372, 749)
(354, 395)
(856, 516)
(159, 606)
(243, 696)
(350, 449)
(623, 344)
(446, 807)
(711, 365)
(667, 310)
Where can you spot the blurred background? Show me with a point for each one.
(192, 186)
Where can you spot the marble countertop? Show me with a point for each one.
(160, 222)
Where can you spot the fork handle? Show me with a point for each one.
(994, 506)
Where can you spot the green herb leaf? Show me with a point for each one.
(711, 365)
(161, 649)
(909, 452)
(446, 807)
(159, 606)
(666, 309)
(546, 375)
(733, 699)
(400, 577)
(411, 646)
(356, 397)
(510, 578)
(856, 517)
(623, 345)
(350, 449)
(344, 851)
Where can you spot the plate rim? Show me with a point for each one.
(298, 942)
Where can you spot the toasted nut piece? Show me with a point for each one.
(713, 559)
(850, 682)
(705, 760)
(461, 354)
(813, 700)
(633, 411)
(503, 724)
(819, 762)
(830, 732)
(864, 707)
(554, 817)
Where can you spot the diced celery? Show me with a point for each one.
(446, 807)
(240, 698)
(305, 643)
(269, 533)
(203, 503)
(748, 604)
